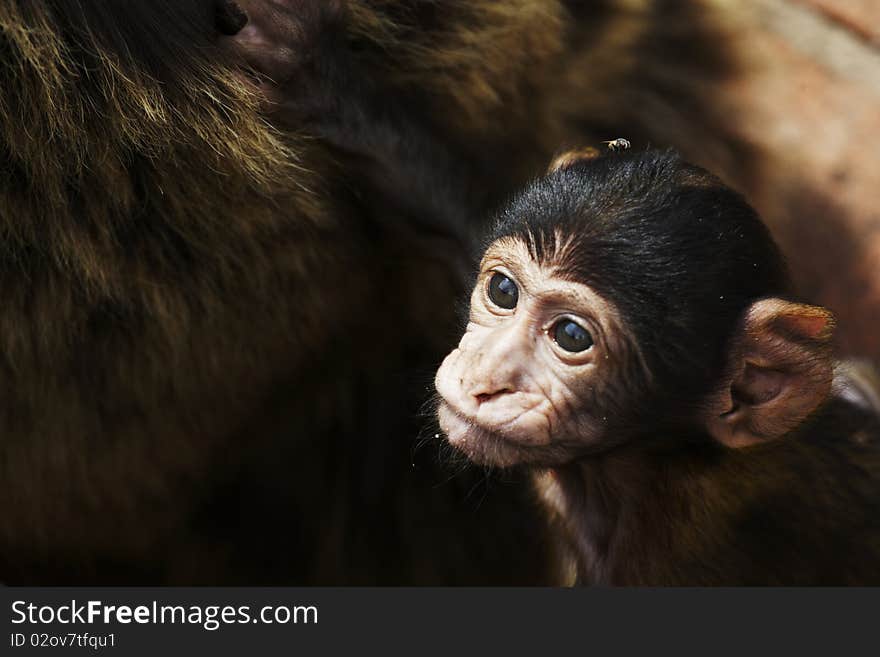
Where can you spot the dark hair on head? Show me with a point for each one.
(680, 254)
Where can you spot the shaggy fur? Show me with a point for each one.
(212, 347)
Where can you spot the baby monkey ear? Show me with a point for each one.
(780, 369)
(569, 158)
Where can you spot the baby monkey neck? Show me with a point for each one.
(601, 503)
(696, 512)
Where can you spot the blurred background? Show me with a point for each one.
(215, 341)
(809, 94)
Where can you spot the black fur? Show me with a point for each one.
(681, 254)
(657, 500)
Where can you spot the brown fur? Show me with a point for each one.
(210, 349)
(695, 514)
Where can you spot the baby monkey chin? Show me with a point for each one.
(480, 444)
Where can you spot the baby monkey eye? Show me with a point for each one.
(571, 336)
(503, 291)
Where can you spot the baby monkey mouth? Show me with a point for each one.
(481, 444)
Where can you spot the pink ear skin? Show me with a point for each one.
(780, 370)
(229, 17)
(568, 158)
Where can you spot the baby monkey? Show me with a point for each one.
(633, 338)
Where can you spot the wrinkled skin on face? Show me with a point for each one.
(524, 384)
(548, 370)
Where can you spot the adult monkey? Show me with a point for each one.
(211, 331)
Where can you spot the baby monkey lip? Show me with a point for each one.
(469, 422)
(480, 443)
(526, 423)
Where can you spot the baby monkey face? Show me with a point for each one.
(526, 381)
